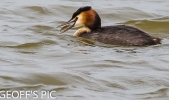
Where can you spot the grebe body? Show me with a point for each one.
(90, 22)
(121, 35)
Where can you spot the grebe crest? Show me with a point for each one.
(89, 20)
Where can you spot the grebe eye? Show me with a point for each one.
(76, 18)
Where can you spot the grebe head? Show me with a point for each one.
(84, 16)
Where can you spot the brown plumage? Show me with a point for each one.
(119, 34)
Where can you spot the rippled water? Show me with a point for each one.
(34, 56)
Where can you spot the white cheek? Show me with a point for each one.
(79, 21)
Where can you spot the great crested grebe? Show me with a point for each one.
(90, 22)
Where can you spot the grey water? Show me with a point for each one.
(35, 56)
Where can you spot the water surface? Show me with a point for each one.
(34, 56)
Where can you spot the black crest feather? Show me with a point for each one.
(81, 9)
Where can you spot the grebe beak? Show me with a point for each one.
(67, 25)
